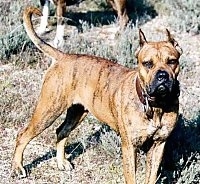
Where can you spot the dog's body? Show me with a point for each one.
(140, 104)
(118, 5)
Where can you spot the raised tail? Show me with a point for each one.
(40, 44)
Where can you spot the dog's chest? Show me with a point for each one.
(156, 129)
(142, 127)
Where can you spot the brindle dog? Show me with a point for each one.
(140, 104)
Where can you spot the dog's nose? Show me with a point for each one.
(162, 76)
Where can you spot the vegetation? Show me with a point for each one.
(95, 149)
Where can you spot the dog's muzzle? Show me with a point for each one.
(161, 86)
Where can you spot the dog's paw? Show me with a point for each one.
(58, 42)
(64, 165)
(41, 30)
(18, 171)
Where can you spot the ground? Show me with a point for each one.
(95, 149)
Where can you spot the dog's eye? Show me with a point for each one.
(148, 64)
(172, 62)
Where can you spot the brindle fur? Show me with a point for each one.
(80, 84)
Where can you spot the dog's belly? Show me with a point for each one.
(99, 106)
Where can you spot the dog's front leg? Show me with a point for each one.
(60, 11)
(44, 19)
(129, 161)
(155, 153)
(154, 158)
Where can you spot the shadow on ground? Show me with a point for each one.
(184, 143)
(75, 149)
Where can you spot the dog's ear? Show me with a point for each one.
(142, 38)
(142, 41)
(171, 39)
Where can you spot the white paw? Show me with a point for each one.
(59, 38)
(18, 169)
(58, 42)
(64, 165)
(41, 30)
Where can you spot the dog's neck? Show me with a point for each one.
(140, 91)
(143, 96)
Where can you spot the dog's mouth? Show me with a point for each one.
(161, 90)
(162, 87)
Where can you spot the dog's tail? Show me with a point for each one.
(40, 44)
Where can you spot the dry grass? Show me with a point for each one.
(95, 149)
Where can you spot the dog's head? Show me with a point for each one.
(158, 64)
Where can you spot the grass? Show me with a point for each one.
(95, 149)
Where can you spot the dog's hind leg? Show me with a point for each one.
(120, 7)
(75, 114)
(44, 115)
